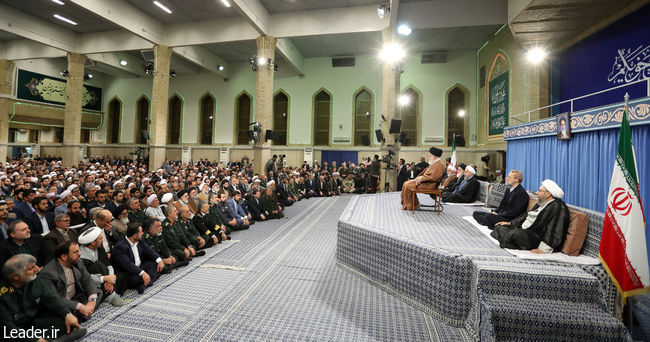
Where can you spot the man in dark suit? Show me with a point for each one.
(61, 233)
(40, 220)
(467, 191)
(284, 197)
(255, 206)
(66, 269)
(402, 174)
(21, 241)
(24, 199)
(134, 257)
(513, 204)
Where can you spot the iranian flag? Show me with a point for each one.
(453, 151)
(623, 244)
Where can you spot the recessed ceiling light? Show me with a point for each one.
(225, 3)
(123, 62)
(65, 19)
(58, 2)
(163, 7)
(404, 29)
(220, 67)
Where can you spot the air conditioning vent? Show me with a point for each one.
(434, 57)
(148, 55)
(433, 140)
(341, 62)
(342, 140)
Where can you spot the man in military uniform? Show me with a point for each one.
(196, 239)
(217, 215)
(135, 214)
(226, 215)
(27, 303)
(178, 244)
(155, 240)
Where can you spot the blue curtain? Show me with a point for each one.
(339, 156)
(582, 166)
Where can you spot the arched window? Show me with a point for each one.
(207, 119)
(322, 113)
(142, 120)
(410, 113)
(174, 120)
(456, 105)
(113, 121)
(243, 107)
(363, 108)
(280, 118)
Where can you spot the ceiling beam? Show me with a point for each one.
(126, 16)
(210, 32)
(453, 13)
(19, 49)
(99, 42)
(113, 60)
(327, 21)
(394, 9)
(256, 13)
(38, 30)
(286, 48)
(203, 58)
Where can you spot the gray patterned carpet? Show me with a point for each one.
(277, 281)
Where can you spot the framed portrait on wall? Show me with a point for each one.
(563, 126)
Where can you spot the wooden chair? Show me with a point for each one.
(436, 194)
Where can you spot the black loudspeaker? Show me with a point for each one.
(395, 126)
(269, 135)
(145, 136)
(365, 140)
(380, 136)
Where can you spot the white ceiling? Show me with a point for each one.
(215, 34)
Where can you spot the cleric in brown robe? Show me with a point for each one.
(426, 180)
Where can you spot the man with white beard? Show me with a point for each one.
(427, 180)
(154, 210)
(28, 304)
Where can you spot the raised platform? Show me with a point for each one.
(447, 268)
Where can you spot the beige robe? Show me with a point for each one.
(430, 178)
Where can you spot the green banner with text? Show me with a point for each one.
(42, 88)
(498, 98)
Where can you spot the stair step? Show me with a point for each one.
(514, 318)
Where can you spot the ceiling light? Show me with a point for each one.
(225, 3)
(220, 67)
(536, 55)
(88, 77)
(163, 7)
(123, 62)
(404, 29)
(65, 73)
(382, 11)
(210, 117)
(261, 61)
(404, 100)
(65, 19)
(461, 113)
(392, 53)
(58, 2)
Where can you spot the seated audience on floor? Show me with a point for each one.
(61, 233)
(27, 302)
(541, 230)
(156, 241)
(69, 278)
(141, 264)
(466, 191)
(513, 204)
(97, 264)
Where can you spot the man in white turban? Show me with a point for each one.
(467, 191)
(541, 230)
(154, 210)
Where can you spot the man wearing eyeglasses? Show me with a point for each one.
(60, 234)
(541, 230)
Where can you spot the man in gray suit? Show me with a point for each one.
(69, 278)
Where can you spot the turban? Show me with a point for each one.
(181, 193)
(65, 194)
(89, 236)
(270, 182)
(435, 151)
(553, 188)
(151, 198)
(72, 187)
(167, 197)
(163, 181)
(470, 169)
(117, 211)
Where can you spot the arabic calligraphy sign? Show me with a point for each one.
(630, 65)
(43, 88)
(498, 104)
